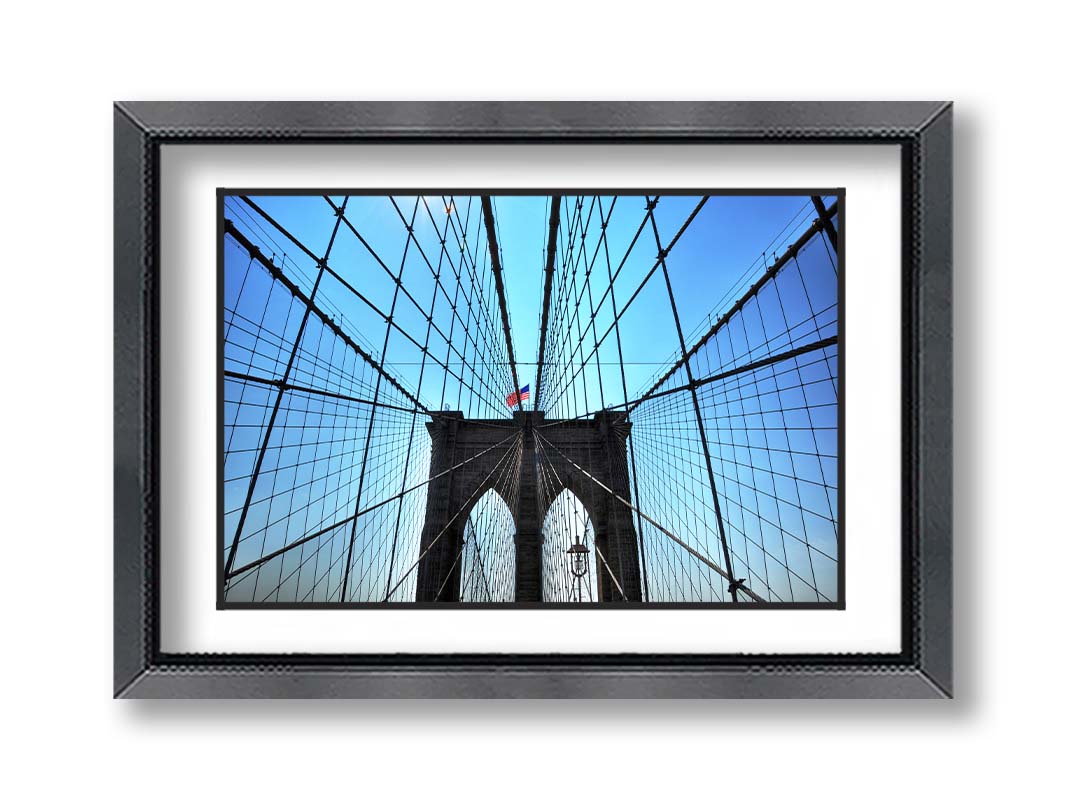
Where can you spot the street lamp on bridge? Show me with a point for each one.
(579, 563)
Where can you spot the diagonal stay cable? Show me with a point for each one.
(596, 547)
(829, 341)
(389, 317)
(473, 535)
(515, 455)
(256, 470)
(288, 385)
(696, 554)
(734, 584)
(514, 438)
(325, 318)
(367, 510)
(663, 253)
(751, 292)
(611, 574)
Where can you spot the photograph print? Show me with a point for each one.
(530, 399)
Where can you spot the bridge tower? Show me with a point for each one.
(577, 451)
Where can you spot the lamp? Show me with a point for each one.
(579, 558)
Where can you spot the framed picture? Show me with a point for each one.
(533, 400)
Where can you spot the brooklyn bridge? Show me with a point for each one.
(549, 399)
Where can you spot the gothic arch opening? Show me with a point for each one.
(487, 552)
(567, 522)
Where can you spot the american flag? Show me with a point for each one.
(513, 401)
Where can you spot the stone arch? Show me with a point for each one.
(566, 519)
(578, 485)
(465, 461)
(618, 562)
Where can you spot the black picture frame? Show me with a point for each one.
(923, 668)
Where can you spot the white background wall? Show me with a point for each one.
(61, 67)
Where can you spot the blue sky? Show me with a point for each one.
(708, 268)
(771, 433)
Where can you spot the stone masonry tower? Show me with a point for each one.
(597, 446)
